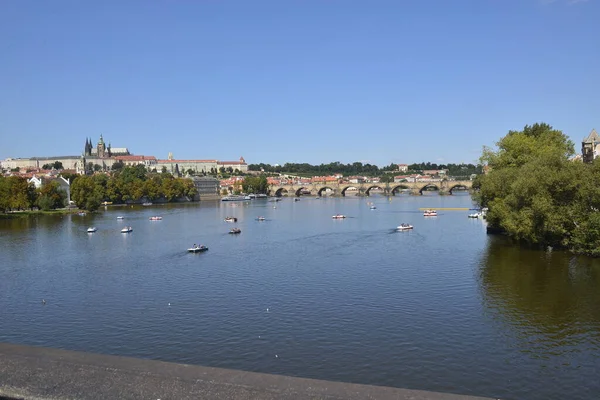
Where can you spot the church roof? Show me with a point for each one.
(592, 137)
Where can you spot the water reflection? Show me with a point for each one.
(549, 301)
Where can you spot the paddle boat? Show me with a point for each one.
(155, 218)
(404, 227)
(475, 215)
(373, 208)
(91, 229)
(127, 229)
(197, 249)
(81, 214)
(430, 213)
(119, 217)
(296, 199)
(148, 203)
(260, 218)
(338, 216)
(230, 219)
(235, 230)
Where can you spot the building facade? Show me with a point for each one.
(590, 147)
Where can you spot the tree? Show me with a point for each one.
(117, 166)
(51, 196)
(57, 165)
(97, 167)
(255, 184)
(164, 169)
(537, 195)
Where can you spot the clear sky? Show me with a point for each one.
(279, 81)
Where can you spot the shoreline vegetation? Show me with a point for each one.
(538, 194)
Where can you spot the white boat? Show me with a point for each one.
(338, 216)
(260, 218)
(475, 215)
(147, 203)
(197, 249)
(127, 229)
(404, 227)
(119, 217)
(91, 229)
(430, 213)
(373, 208)
(155, 218)
(235, 198)
(230, 219)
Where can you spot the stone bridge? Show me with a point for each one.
(364, 189)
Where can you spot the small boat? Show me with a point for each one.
(235, 230)
(197, 249)
(127, 229)
(296, 199)
(235, 198)
(155, 218)
(476, 215)
(119, 217)
(338, 216)
(230, 219)
(404, 227)
(81, 214)
(430, 213)
(92, 229)
(260, 218)
(373, 208)
(147, 203)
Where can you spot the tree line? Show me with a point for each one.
(537, 194)
(130, 183)
(358, 168)
(17, 194)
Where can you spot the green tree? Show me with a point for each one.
(51, 196)
(117, 166)
(255, 184)
(537, 195)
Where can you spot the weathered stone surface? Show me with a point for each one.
(42, 373)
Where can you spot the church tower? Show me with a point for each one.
(101, 147)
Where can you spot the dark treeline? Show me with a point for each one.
(17, 194)
(359, 168)
(129, 184)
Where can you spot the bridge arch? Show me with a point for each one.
(380, 187)
(430, 185)
(298, 192)
(343, 191)
(394, 189)
(279, 192)
(321, 189)
(458, 186)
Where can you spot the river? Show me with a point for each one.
(444, 307)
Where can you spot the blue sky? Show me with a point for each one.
(294, 81)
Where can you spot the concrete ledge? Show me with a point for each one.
(42, 373)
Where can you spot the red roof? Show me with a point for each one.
(185, 161)
(135, 158)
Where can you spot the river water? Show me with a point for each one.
(444, 307)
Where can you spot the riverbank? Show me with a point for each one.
(44, 373)
(29, 213)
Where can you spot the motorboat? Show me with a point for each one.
(235, 230)
(430, 213)
(230, 219)
(197, 249)
(260, 218)
(475, 215)
(91, 229)
(373, 208)
(404, 227)
(235, 198)
(338, 216)
(127, 229)
(119, 217)
(155, 218)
